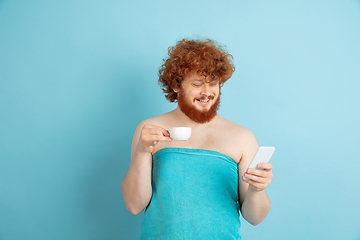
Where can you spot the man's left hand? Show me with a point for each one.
(259, 179)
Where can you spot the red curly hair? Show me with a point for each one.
(205, 58)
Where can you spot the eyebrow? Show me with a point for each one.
(202, 80)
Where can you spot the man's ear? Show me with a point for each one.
(176, 89)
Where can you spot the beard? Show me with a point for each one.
(193, 113)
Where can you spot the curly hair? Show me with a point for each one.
(205, 58)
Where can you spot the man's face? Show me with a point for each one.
(199, 97)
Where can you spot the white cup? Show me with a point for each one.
(180, 133)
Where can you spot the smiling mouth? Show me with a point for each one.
(203, 100)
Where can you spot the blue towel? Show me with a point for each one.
(195, 196)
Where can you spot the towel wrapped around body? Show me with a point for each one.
(195, 196)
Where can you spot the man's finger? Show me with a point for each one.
(162, 138)
(266, 166)
(159, 131)
(165, 132)
(259, 173)
(256, 185)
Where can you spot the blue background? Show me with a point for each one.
(76, 77)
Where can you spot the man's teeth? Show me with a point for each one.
(206, 100)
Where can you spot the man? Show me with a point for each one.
(195, 189)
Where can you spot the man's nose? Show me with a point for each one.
(205, 89)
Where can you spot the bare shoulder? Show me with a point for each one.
(236, 140)
(235, 131)
(160, 121)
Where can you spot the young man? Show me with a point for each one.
(195, 189)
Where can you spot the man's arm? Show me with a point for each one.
(254, 202)
(136, 186)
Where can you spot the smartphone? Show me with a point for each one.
(262, 155)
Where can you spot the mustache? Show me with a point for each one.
(206, 97)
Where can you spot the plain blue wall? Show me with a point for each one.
(76, 77)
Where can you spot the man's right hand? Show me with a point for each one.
(150, 136)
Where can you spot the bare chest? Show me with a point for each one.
(212, 139)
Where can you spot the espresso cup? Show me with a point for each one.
(180, 133)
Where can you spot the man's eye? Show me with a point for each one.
(197, 84)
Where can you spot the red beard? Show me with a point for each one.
(193, 113)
